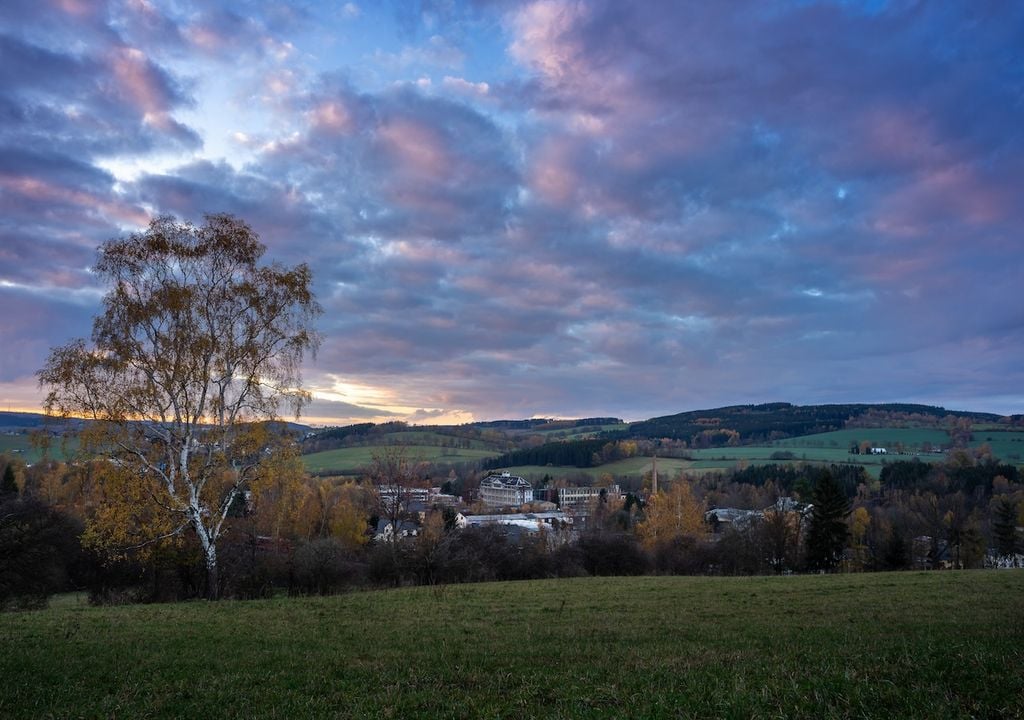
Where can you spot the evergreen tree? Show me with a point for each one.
(897, 554)
(8, 485)
(1004, 526)
(827, 535)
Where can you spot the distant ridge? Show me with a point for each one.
(770, 421)
(35, 421)
(25, 421)
(546, 423)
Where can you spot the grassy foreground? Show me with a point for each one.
(928, 645)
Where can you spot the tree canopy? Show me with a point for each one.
(197, 346)
(828, 533)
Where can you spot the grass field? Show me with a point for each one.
(911, 438)
(20, 446)
(762, 455)
(915, 645)
(574, 434)
(1007, 446)
(822, 448)
(427, 437)
(352, 459)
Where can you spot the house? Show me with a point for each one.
(557, 525)
(879, 451)
(531, 521)
(582, 496)
(721, 518)
(1003, 562)
(505, 490)
(414, 499)
(385, 531)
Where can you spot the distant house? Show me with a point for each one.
(532, 521)
(583, 496)
(721, 518)
(879, 451)
(515, 526)
(386, 532)
(505, 490)
(1004, 562)
(414, 499)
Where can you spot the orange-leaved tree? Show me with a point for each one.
(195, 350)
(671, 515)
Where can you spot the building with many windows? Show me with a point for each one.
(583, 496)
(505, 490)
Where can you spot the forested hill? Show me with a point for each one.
(756, 423)
(20, 420)
(543, 424)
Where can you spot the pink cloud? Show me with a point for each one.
(465, 87)
(553, 175)
(332, 116)
(940, 197)
(543, 38)
(36, 190)
(138, 81)
(418, 148)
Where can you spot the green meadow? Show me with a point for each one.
(915, 645)
(426, 437)
(822, 448)
(1006, 445)
(353, 459)
(21, 446)
(913, 439)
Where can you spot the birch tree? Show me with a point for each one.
(196, 349)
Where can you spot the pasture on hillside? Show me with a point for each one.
(890, 645)
(351, 460)
(582, 433)
(913, 439)
(1008, 446)
(21, 446)
(428, 437)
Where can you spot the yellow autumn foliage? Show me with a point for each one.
(671, 514)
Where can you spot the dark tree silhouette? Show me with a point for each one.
(827, 534)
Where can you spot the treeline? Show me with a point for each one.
(575, 453)
(305, 535)
(543, 424)
(460, 436)
(951, 477)
(799, 479)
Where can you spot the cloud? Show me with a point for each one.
(599, 207)
(465, 87)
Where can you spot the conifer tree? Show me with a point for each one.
(8, 485)
(828, 533)
(1004, 526)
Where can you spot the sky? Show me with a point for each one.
(546, 209)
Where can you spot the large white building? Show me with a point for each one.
(505, 490)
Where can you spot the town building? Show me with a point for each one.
(505, 490)
(529, 521)
(569, 497)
